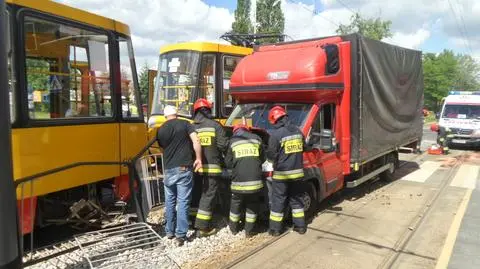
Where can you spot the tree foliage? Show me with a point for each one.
(242, 23)
(468, 73)
(143, 81)
(37, 74)
(270, 19)
(373, 28)
(446, 71)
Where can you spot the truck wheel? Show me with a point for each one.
(309, 197)
(387, 175)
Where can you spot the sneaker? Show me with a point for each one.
(206, 233)
(170, 236)
(274, 233)
(300, 230)
(180, 241)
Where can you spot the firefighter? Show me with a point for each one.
(214, 143)
(245, 157)
(444, 138)
(285, 150)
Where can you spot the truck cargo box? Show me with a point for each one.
(386, 97)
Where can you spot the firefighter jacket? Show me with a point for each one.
(286, 145)
(214, 143)
(245, 156)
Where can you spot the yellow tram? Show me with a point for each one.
(74, 98)
(192, 70)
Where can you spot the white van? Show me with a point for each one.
(460, 117)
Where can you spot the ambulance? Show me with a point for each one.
(460, 118)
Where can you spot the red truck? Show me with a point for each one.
(357, 100)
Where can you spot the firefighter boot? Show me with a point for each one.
(300, 230)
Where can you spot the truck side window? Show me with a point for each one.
(229, 64)
(333, 63)
(328, 116)
(207, 80)
(325, 121)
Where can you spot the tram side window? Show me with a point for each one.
(207, 80)
(10, 67)
(129, 94)
(229, 64)
(67, 71)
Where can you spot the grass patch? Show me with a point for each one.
(430, 118)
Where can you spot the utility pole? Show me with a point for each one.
(10, 254)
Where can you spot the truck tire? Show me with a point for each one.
(387, 175)
(310, 200)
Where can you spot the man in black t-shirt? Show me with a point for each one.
(180, 143)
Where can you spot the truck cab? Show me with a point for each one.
(460, 119)
(307, 81)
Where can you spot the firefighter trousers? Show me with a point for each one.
(240, 203)
(207, 201)
(196, 195)
(283, 191)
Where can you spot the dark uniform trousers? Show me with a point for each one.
(196, 195)
(210, 185)
(281, 191)
(240, 203)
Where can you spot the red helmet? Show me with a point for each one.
(202, 102)
(276, 113)
(239, 126)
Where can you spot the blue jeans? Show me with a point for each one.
(178, 185)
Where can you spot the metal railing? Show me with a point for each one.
(141, 167)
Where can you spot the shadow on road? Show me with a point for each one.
(331, 204)
(352, 240)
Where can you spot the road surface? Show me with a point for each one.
(428, 218)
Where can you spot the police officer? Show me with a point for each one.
(214, 143)
(285, 150)
(245, 157)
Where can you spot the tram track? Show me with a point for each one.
(414, 226)
(364, 188)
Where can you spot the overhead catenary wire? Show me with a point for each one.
(347, 7)
(316, 13)
(459, 28)
(464, 26)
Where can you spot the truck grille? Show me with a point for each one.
(462, 131)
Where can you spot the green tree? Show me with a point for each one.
(143, 81)
(270, 19)
(373, 28)
(37, 74)
(440, 73)
(468, 74)
(242, 23)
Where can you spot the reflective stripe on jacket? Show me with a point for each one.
(245, 156)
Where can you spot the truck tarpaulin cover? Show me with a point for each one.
(387, 97)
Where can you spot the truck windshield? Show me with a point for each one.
(256, 115)
(461, 111)
(176, 81)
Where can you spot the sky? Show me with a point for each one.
(427, 25)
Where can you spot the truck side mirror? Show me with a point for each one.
(437, 115)
(326, 141)
(323, 140)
